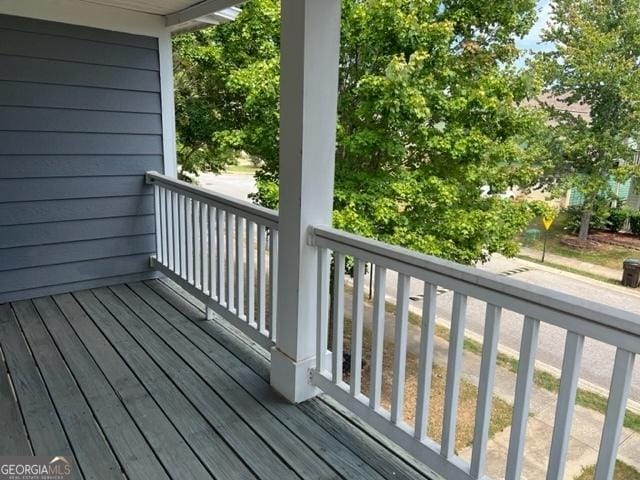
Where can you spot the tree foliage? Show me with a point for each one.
(226, 88)
(429, 113)
(595, 63)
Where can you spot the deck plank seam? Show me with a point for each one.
(46, 387)
(230, 405)
(141, 346)
(15, 397)
(80, 390)
(402, 457)
(215, 339)
(142, 432)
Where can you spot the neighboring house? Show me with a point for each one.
(633, 200)
(626, 192)
(107, 268)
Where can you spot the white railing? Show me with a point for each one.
(225, 252)
(222, 250)
(578, 317)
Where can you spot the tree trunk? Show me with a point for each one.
(584, 225)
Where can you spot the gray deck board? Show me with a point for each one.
(200, 401)
(43, 425)
(196, 431)
(126, 440)
(136, 370)
(347, 448)
(90, 449)
(14, 440)
(178, 459)
(301, 458)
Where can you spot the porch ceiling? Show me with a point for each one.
(180, 14)
(156, 7)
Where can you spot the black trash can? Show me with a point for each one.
(631, 273)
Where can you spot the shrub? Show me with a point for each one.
(598, 218)
(634, 222)
(617, 217)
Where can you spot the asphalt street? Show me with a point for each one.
(597, 359)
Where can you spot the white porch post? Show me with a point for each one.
(308, 111)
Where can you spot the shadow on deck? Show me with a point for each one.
(132, 381)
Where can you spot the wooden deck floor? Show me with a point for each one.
(131, 381)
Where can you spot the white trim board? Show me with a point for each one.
(168, 105)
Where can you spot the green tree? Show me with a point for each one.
(429, 114)
(595, 63)
(226, 89)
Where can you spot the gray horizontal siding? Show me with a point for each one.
(80, 124)
(75, 31)
(38, 277)
(59, 72)
(24, 189)
(64, 143)
(18, 236)
(49, 211)
(25, 94)
(60, 253)
(48, 165)
(50, 119)
(38, 45)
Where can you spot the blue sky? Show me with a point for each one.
(532, 40)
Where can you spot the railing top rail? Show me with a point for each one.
(263, 215)
(448, 271)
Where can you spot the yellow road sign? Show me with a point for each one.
(547, 223)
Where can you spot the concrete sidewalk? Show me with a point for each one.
(587, 424)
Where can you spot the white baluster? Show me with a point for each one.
(357, 324)
(377, 347)
(616, 409)
(427, 333)
(524, 385)
(454, 372)
(338, 318)
(323, 308)
(485, 389)
(400, 348)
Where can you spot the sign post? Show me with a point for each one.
(547, 222)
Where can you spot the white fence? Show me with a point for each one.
(222, 250)
(578, 317)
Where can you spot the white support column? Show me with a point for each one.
(308, 112)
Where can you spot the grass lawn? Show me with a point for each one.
(622, 472)
(565, 268)
(501, 413)
(542, 379)
(606, 256)
(247, 169)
